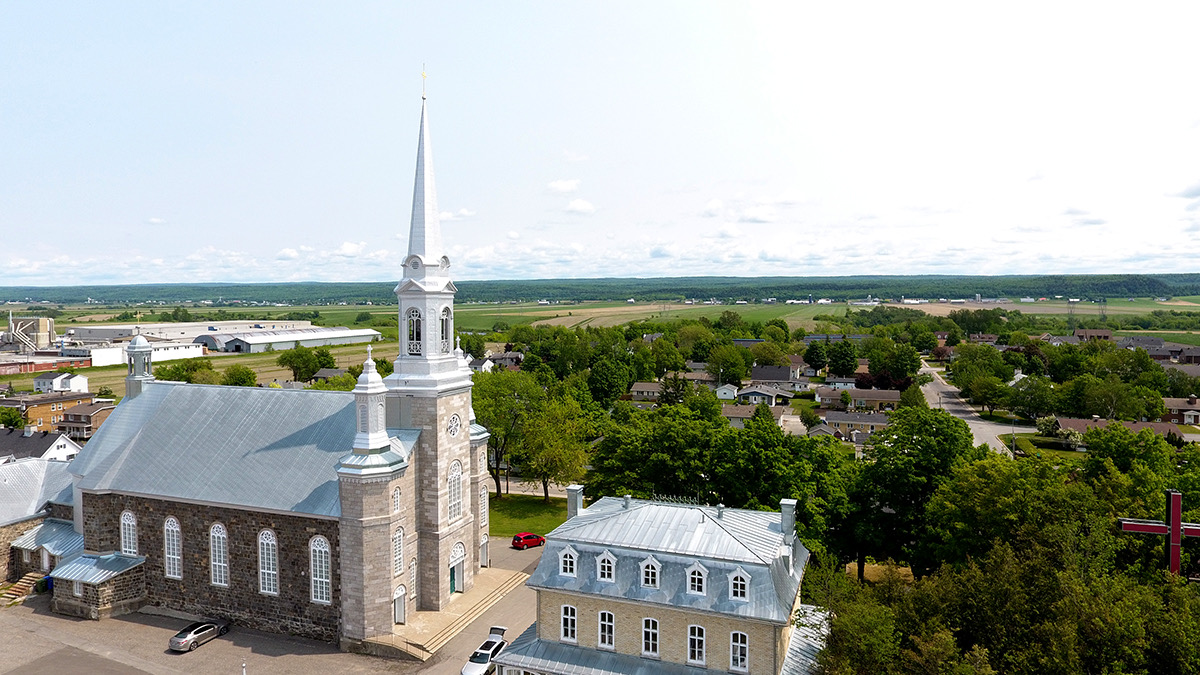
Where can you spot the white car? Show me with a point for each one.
(480, 662)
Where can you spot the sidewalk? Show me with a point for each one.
(516, 486)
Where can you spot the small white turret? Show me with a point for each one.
(138, 356)
(369, 396)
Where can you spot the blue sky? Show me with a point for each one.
(275, 141)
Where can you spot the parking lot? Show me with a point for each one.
(38, 641)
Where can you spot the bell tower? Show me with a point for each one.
(430, 390)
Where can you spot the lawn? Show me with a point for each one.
(515, 513)
(1035, 445)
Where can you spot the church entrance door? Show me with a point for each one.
(457, 555)
(398, 604)
(45, 560)
(453, 588)
(483, 552)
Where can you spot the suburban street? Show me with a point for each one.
(38, 641)
(940, 394)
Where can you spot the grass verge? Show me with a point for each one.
(515, 513)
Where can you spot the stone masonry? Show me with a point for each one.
(291, 611)
(13, 564)
(122, 594)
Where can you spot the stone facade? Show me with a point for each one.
(122, 594)
(13, 565)
(767, 641)
(291, 610)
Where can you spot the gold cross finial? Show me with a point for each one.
(423, 76)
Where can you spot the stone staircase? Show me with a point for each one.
(20, 589)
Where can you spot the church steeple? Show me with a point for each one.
(425, 232)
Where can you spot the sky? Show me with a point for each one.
(149, 142)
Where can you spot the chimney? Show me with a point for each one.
(787, 520)
(1192, 400)
(720, 510)
(627, 498)
(574, 500)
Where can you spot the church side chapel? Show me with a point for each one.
(326, 514)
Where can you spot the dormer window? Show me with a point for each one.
(697, 579)
(566, 562)
(606, 566)
(739, 584)
(650, 568)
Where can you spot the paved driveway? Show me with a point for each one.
(34, 640)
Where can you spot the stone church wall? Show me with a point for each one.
(291, 611)
(12, 565)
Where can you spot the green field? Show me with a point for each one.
(515, 513)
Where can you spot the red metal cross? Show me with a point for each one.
(1174, 528)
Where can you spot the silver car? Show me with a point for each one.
(480, 662)
(197, 634)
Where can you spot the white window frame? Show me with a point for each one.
(412, 332)
(412, 578)
(77, 588)
(651, 571)
(320, 563)
(744, 595)
(484, 494)
(129, 539)
(218, 555)
(604, 620)
(568, 625)
(568, 562)
(172, 549)
(454, 481)
(26, 556)
(398, 552)
(697, 579)
(396, 500)
(611, 560)
(739, 652)
(650, 637)
(268, 563)
(696, 648)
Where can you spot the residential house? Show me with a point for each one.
(645, 391)
(43, 412)
(82, 421)
(799, 368)
(1181, 410)
(779, 377)
(983, 338)
(747, 342)
(510, 360)
(1083, 425)
(22, 443)
(484, 365)
(55, 381)
(839, 383)
(1146, 342)
(738, 414)
(1190, 355)
(755, 394)
(633, 586)
(844, 423)
(727, 392)
(860, 399)
(325, 374)
(1086, 334)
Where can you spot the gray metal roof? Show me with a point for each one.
(557, 658)
(91, 568)
(678, 536)
(254, 447)
(27, 484)
(808, 638)
(57, 536)
(14, 442)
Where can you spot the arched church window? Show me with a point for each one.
(398, 552)
(414, 331)
(319, 566)
(268, 563)
(454, 483)
(129, 533)
(172, 549)
(447, 330)
(218, 555)
(362, 419)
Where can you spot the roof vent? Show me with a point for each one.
(627, 499)
(720, 510)
(28, 432)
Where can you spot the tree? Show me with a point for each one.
(809, 418)
(501, 399)
(104, 391)
(676, 389)
(1031, 397)
(988, 391)
(238, 375)
(913, 397)
(727, 365)
(363, 317)
(195, 371)
(324, 358)
(768, 354)
(843, 358)
(846, 399)
(302, 362)
(11, 418)
(555, 447)
(472, 344)
(816, 355)
(608, 381)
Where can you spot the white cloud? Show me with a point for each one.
(349, 249)
(574, 156)
(758, 214)
(155, 221)
(455, 215)
(513, 234)
(563, 186)
(287, 254)
(580, 206)
(713, 208)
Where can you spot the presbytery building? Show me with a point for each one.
(327, 514)
(652, 588)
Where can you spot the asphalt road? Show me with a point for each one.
(940, 394)
(38, 641)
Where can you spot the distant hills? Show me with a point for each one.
(1084, 286)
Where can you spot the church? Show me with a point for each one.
(331, 515)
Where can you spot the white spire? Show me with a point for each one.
(425, 234)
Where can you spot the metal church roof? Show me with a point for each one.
(90, 568)
(255, 447)
(57, 536)
(27, 484)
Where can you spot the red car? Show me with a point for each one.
(525, 540)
